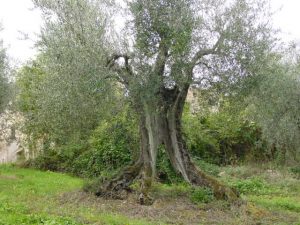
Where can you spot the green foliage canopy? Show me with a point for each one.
(275, 103)
(64, 92)
(4, 86)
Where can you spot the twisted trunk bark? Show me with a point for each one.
(144, 168)
(162, 125)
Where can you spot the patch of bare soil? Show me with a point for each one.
(6, 177)
(179, 210)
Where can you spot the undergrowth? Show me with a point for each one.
(31, 197)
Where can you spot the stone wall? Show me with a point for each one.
(9, 152)
(11, 139)
(192, 99)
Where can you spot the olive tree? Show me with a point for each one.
(168, 46)
(4, 88)
(60, 93)
(275, 104)
(3, 77)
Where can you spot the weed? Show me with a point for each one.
(251, 185)
(202, 195)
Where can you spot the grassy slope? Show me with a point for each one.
(35, 197)
(31, 197)
(276, 190)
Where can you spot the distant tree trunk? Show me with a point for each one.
(161, 124)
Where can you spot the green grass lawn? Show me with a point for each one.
(31, 197)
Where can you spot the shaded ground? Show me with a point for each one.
(35, 197)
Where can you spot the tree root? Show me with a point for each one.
(221, 191)
(145, 199)
(118, 187)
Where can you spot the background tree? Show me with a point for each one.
(176, 44)
(4, 88)
(3, 76)
(63, 94)
(274, 104)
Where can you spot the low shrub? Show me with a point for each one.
(223, 137)
(59, 159)
(201, 195)
(295, 171)
(252, 185)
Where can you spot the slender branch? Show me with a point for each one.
(210, 51)
(113, 58)
(121, 71)
(200, 54)
(199, 81)
(127, 66)
(205, 64)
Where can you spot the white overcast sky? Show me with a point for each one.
(18, 16)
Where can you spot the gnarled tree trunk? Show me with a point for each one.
(161, 124)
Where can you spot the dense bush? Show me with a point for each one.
(218, 138)
(109, 147)
(116, 139)
(61, 158)
(295, 171)
(223, 137)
